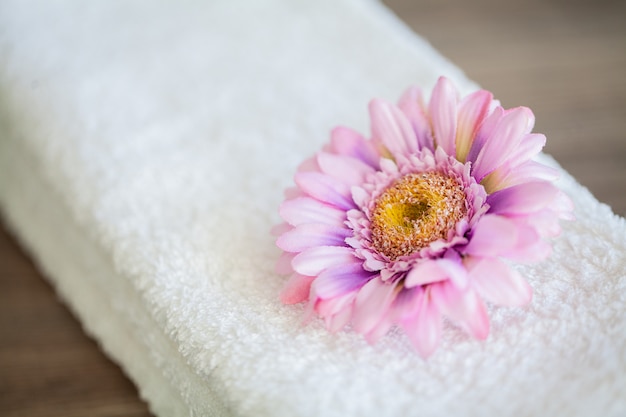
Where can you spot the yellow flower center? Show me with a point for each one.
(414, 211)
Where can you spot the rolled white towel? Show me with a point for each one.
(144, 148)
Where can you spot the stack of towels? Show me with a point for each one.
(144, 149)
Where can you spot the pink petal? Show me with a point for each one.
(324, 188)
(314, 260)
(431, 271)
(389, 166)
(371, 263)
(500, 284)
(360, 196)
(424, 273)
(380, 329)
(529, 246)
(406, 304)
(347, 169)
(281, 228)
(412, 105)
(293, 192)
(492, 236)
(530, 146)
(545, 223)
(296, 290)
(530, 253)
(336, 305)
(424, 328)
(472, 111)
(391, 127)
(347, 142)
(537, 170)
(523, 198)
(463, 307)
(339, 280)
(564, 206)
(309, 165)
(529, 171)
(309, 235)
(484, 132)
(283, 264)
(303, 210)
(442, 110)
(371, 304)
(339, 320)
(504, 138)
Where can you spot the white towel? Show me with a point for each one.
(144, 147)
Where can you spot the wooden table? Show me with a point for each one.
(564, 59)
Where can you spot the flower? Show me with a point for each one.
(422, 220)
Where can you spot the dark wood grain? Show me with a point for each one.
(48, 366)
(564, 59)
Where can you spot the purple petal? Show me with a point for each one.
(442, 110)
(472, 111)
(391, 127)
(505, 137)
(499, 283)
(523, 198)
(345, 168)
(313, 261)
(303, 210)
(325, 188)
(339, 280)
(347, 142)
(412, 105)
(310, 235)
(484, 132)
(492, 236)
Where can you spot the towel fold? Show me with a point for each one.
(144, 147)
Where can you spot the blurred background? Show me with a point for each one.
(564, 59)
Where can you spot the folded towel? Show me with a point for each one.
(144, 147)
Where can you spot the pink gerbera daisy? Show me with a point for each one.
(418, 222)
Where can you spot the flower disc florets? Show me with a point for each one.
(414, 211)
(415, 223)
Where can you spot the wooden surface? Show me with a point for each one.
(564, 59)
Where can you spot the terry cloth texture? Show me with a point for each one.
(144, 147)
